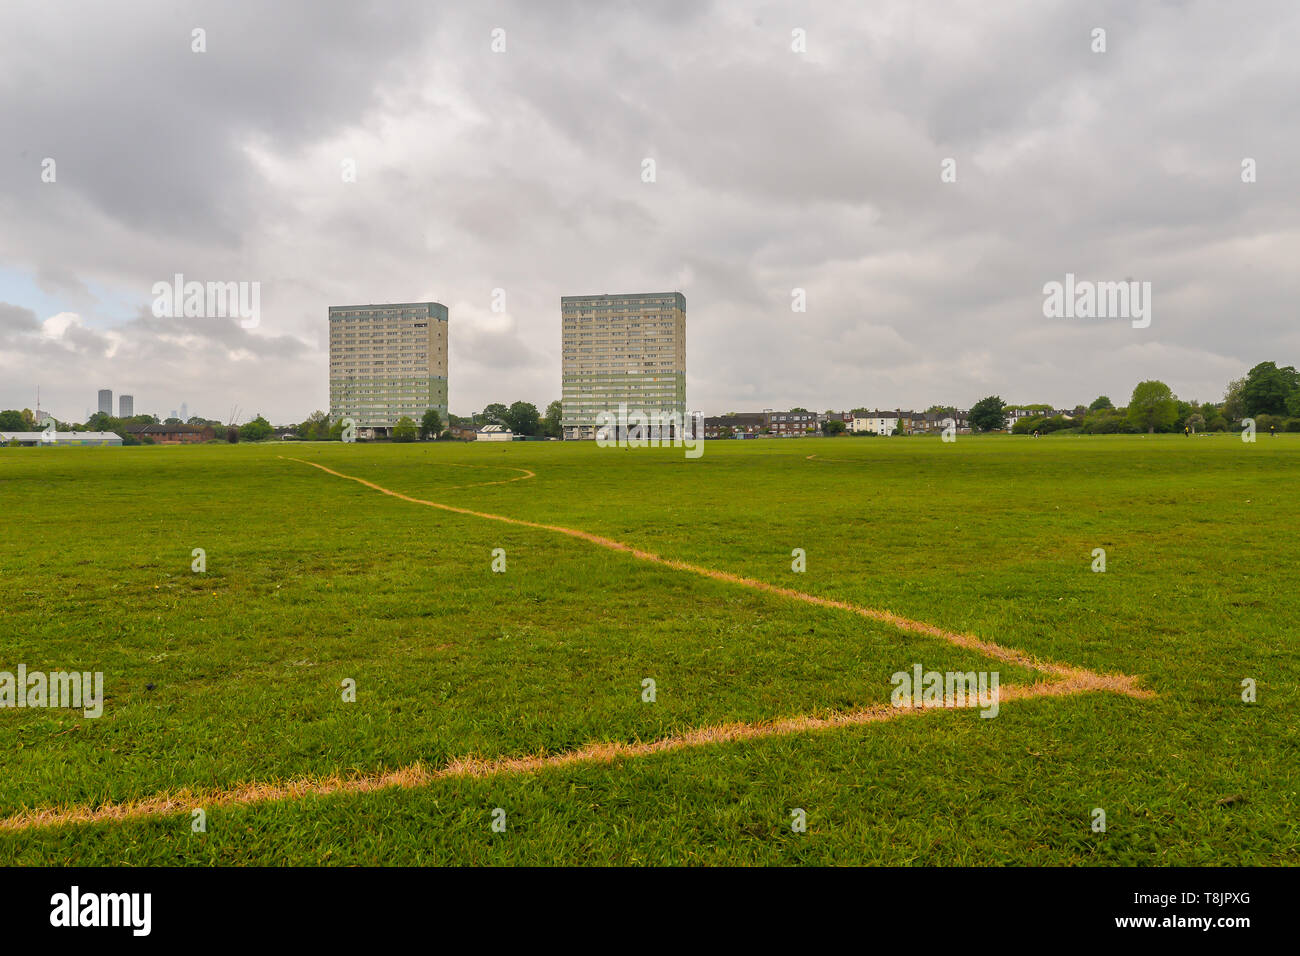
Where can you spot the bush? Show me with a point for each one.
(1107, 422)
(1044, 426)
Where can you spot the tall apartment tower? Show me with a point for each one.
(386, 362)
(106, 401)
(622, 350)
(125, 406)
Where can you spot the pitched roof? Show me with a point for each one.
(166, 429)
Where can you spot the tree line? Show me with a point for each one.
(1268, 393)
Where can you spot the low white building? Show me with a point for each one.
(61, 438)
(494, 433)
(877, 423)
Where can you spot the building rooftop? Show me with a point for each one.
(624, 295)
(166, 429)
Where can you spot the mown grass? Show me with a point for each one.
(312, 579)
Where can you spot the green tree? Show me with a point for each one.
(522, 419)
(1100, 402)
(259, 429)
(988, 413)
(1267, 389)
(832, 426)
(494, 414)
(431, 424)
(101, 422)
(404, 430)
(316, 427)
(553, 423)
(11, 420)
(1152, 406)
(1234, 407)
(1196, 420)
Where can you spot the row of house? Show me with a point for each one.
(798, 423)
(910, 423)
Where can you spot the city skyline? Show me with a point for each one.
(775, 172)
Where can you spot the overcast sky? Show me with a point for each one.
(775, 170)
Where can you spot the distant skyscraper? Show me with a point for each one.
(185, 412)
(622, 350)
(387, 362)
(106, 401)
(174, 415)
(125, 406)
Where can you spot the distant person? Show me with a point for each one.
(1272, 431)
(1187, 431)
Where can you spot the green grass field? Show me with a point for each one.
(231, 679)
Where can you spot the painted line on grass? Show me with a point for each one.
(1118, 683)
(416, 775)
(478, 484)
